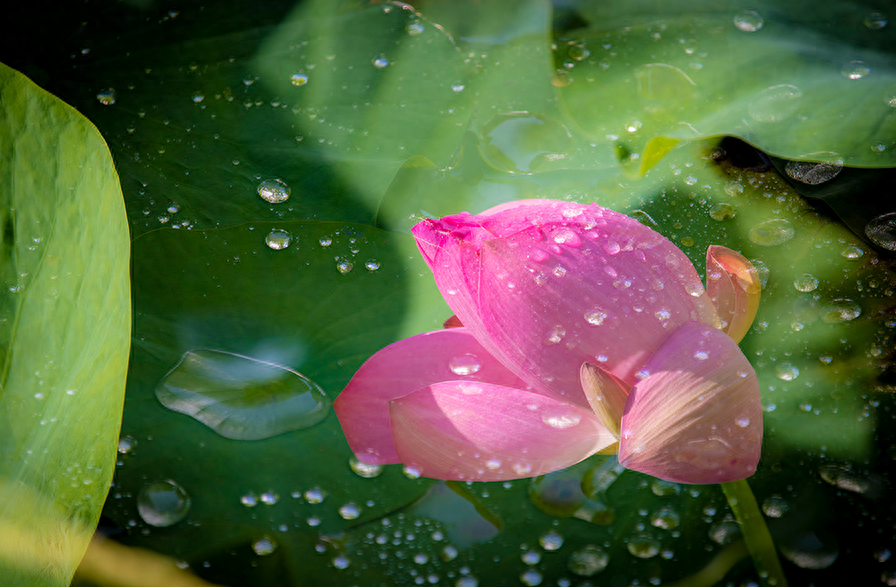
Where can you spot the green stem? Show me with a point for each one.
(756, 534)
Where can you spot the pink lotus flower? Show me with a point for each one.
(583, 331)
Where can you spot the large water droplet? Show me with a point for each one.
(665, 518)
(643, 546)
(722, 211)
(807, 550)
(855, 70)
(365, 470)
(551, 540)
(561, 421)
(264, 546)
(595, 316)
(380, 62)
(466, 364)
(298, 79)
(786, 372)
(240, 397)
(277, 239)
(840, 310)
(882, 231)
(588, 561)
(106, 97)
(772, 232)
(748, 21)
(163, 503)
(813, 173)
(774, 104)
(805, 283)
(274, 191)
(775, 506)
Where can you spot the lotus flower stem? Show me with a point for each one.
(756, 535)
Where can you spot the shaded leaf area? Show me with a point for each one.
(319, 307)
(800, 81)
(64, 330)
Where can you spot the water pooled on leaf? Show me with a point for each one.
(466, 364)
(808, 550)
(163, 503)
(722, 211)
(882, 231)
(588, 561)
(775, 103)
(523, 142)
(855, 70)
(240, 397)
(274, 191)
(851, 252)
(277, 239)
(748, 21)
(812, 173)
(771, 232)
(840, 310)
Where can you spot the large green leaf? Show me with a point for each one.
(798, 79)
(64, 331)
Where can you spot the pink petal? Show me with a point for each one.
(547, 285)
(404, 367)
(483, 432)
(734, 288)
(696, 416)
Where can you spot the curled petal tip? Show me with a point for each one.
(734, 287)
(605, 393)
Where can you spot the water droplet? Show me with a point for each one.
(274, 191)
(466, 364)
(701, 355)
(565, 236)
(264, 546)
(531, 557)
(663, 488)
(595, 316)
(343, 266)
(240, 397)
(855, 70)
(365, 470)
(277, 239)
(126, 444)
(269, 498)
(643, 546)
(771, 232)
(380, 62)
(588, 561)
(414, 28)
(106, 97)
(325, 241)
(298, 79)
(531, 578)
(812, 173)
(633, 125)
(341, 562)
(805, 283)
(845, 478)
(840, 310)
(467, 581)
(372, 265)
(163, 503)
(250, 500)
(550, 541)
(722, 211)
(775, 506)
(876, 20)
(748, 21)
(315, 495)
(775, 103)
(808, 550)
(556, 335)
(665, 518)
(457, 87)
(724, 532)
(561, 421)
(742, 422)
(198, 97)
(882, 231)
(349, 511)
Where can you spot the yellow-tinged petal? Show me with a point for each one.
(733, 285)
(605, 393)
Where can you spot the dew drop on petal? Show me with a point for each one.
(701, 355)
(561, 421)
(595, 316)
(163, 503)
(466, 364)
(876, 20)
